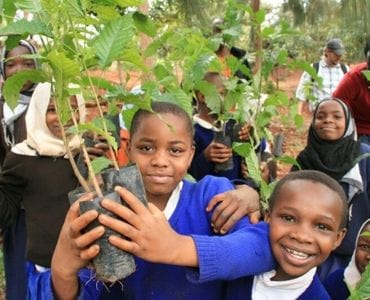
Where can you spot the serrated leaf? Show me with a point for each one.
(362, 290)
(113, 39)
(32, 6)
(133, 57)
(23, 26)
(13, 84)
(144, 24)
(100, 163)
(127, 3)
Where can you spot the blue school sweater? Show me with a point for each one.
(241, 289)
(243, 251)
(336, 286)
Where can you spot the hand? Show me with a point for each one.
(74, 249)
(217, 152)
(229, 207)
(244, 132)
(97, 147)
(149, 234)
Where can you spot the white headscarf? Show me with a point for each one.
(40, 141)
(351, 274)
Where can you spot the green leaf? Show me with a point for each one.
(23, 26)
(365, 234)
(13, 84)
(113, 39)
(127, 3)
(9, 10)
(260, 16)
(144, 24)
(133, 57)
(362, 290)
(366, 74)
(32, 6)
(100, 163)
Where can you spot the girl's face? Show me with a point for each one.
(52, 120)
(362, 255)
(330, 121)
(15, 63)
(163, 149)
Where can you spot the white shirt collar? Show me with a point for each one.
(172, 201)
(264, 288)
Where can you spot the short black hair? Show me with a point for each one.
(161, 107)
(316, 177)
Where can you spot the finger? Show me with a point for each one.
(222, 213)
(79, 223)
(255, 217)
(90, 252)
(121, 211)
(119, 226)
(131, 200)
(214, 201)
(232, 219)
(124, 244)
(89, 237)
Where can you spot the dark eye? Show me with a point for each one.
(29, 64)
(51, 110)
(364, 247)
(176, 151)
(323, 227)
(288, 218)
(146, 148)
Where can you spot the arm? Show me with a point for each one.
(12, 186)
(151, 238)
(73, 251)
(231, 206)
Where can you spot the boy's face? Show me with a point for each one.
(163, 150)
(304, 227)
(362, 256)
(330, 121)
(52, 120)
(15, 63)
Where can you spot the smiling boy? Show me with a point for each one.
(307, 220)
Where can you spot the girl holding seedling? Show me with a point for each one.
(162, 146)
(12, 131)
(340, 281)
(332, 148)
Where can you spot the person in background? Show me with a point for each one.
(339, 282)
(209, 153)
(223, 52)
(13, 131)
(329, 69)
(354, 90)
(332, 148)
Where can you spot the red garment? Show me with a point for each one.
(354, 90)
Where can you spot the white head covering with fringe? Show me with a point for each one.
(351, 274)
(40, 141)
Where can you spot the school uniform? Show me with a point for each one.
(243, 251)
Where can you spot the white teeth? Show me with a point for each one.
(297, 254)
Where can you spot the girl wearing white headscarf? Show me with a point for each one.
(38, 176)
(339, 282)
(338, 159)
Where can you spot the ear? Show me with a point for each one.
(267, 216)
(191, 155)
(340, 236)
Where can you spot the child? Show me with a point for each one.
(209, 153)
(13, 131)
(37, 176)
(307, 218)
(161, 144)
(336, 284)
(333, 149)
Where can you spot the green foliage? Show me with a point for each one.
(14, 84)
(362, 290)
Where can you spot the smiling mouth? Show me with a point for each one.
(297, 254)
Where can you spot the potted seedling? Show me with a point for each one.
(77, 37)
